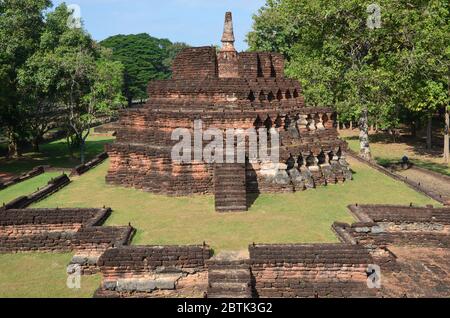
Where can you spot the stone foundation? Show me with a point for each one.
(61, 230)
(226, 89)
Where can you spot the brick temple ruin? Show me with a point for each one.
(227, 89)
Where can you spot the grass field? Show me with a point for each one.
(26, 187)
(39, 275)
(54, 154)
(386, 151)
(303, 217)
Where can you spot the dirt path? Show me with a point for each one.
(428, 181)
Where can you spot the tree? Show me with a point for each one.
(52, 72)
(104, 98)
(145, 58)
(37, 83)
(21, 23)
(72, 78)
(396, 72)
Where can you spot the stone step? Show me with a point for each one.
(226, 279)
(231, 295)
(224, 272)
(224, 198)
(229, 278)
(225, 285)
(231, 209)
(230, 190)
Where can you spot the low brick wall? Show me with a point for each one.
(61, 230)
(316, 270)
(81, 169)
(26, 176)
(401, 214)
(50, 216)
(53, 186)
(380, 227)
(154, 271)
(372, 235)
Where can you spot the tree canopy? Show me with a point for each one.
(54, 74)
(399, 71)
(145, 58)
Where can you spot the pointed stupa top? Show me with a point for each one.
(228, 33)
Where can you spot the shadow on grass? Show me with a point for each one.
(55, 154)
(251, 199)
(416, 144)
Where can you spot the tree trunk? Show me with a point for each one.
(82, 148)
(429, 132)
(446, 136)
(413, 128)
(13, 147)
(364, 136)
(351, 125)
(35, 144)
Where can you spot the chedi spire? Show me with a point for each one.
(228, 33)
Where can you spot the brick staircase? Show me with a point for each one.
(229, 279)
(230, 190)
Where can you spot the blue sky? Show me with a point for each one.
(196, 22)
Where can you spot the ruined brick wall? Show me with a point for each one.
(25, 176)
(401, 214)
(376, 235)
(318, 270)
(309, 141)
(57, 230)
(228, 64)
(226, 90)
(83, 168)
(154, 271)
(382, 227)
(47, 216)
(260, 64)
(198, 62)
(53, 186)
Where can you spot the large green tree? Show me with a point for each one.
(145, 58)
(69, 80)
(395, 71)
(21, 24)
(89, 82)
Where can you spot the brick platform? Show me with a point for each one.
(226, 89)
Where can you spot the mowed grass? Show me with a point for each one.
(55, 154)
(26, 187)
(385, 151)
(304, 217)
(41, 275)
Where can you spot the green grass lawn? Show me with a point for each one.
(389, 152)
(39, 275)
(26, 187)
(303, 217)
(54, 154)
